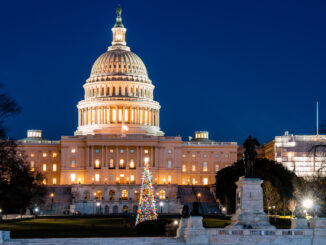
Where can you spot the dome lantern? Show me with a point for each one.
(119, 32)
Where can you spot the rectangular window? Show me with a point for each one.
(32, 155)
(97, 150)
(111, 164)
(217, 167)
(73, 177)
(169, 164)
(169, 151)
(193, 168)
(193, 181)
(44, 154)
(132, 163)
(54, 167)
(184, 168)
(205, 168)
(193, 155)
(132, 151)
(111, 178)
(216, 155)
(32, 166)
(54, 181)
(146, 151)
(73, 163)
(183, 181)
(205, 181)
(146, 117)
(97, 163)
(169, 179)
(97, 177)
(132, 115)
(73, 150)
(54, 154)
(141, 116)
(121, 151)
(111, 150)
(132, 178)
(226, 155)
(183, 156)
(121, 163)
(44, 167)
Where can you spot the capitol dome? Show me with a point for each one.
(119, 96)
(117, 62)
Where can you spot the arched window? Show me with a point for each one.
(125, 209)
(162, 194)
(124, 195)
(115, 209)
(136, 196)
(86, 195)
(112, 194)
(99, 195)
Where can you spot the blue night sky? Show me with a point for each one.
(230, 67)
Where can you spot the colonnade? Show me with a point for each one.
(118, 114)
(119, 90)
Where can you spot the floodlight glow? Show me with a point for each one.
(98, 204)
(176, 222)
(308, 203)
(161, 204)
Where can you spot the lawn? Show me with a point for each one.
(72, 227)
(215, 222)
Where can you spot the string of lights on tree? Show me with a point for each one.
(146, 208)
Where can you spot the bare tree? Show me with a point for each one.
(292, 205)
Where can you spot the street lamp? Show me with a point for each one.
(52, 196)
(199, 196)
(161, 205)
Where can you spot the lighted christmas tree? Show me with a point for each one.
(146, 208)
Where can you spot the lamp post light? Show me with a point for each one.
(199, 196)
(161, 205)
(307, 204)
(36, 210)
(0, 214)
(52, 197)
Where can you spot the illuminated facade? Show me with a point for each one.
(303, 154)
(118, 128)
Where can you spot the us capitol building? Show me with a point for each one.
(99, 169)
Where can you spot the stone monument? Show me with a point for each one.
(249, 194)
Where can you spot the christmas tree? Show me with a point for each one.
(146, 209)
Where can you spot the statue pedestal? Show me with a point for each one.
(195, 233)
(249, 206)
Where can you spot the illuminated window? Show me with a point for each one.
(44, 181)
(73, 163)
(169, 179)
(120, 115)
(121, 163)
(44, 154)
(184, 168)
(72, 177)
(32, 166)
(111, 150)
(162, 194)
(132, 178)
(97, 177)
(205, 168)
(226, 155)
(136, 196)
(193, 155)
(169, 151)
(193, 181)
(97, 150)
(54, 167)
(183, 156)
(132, 151)
(216, 155)
(217, 167)
(205, 181)
(73, 150)
(183, 181)
(44, 167)
(54, 181)
(205, 155)
(193, 168)
(111, 177)
(32, 155)
(97, 163)
(121, 150)
(111, 165)
(132, 163)
(146, 151)
(114, 115)
(99, 195)
(124, 195)
(54, 154)
(112, 194)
